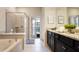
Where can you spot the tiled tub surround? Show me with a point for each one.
(62, 42)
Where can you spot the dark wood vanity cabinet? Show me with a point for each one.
(60, 43)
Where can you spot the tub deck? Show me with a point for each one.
(9, 40)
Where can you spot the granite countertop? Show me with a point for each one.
(73, 36)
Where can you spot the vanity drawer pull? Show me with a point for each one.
(78, 47)
(63, 47)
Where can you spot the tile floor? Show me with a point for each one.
(36, 47)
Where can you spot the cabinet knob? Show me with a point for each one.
(78, 47)
(63, 47)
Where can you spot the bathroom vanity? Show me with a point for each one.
(62, 42)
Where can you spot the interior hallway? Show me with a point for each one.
(36, 47)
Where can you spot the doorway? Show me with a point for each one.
(36, 27)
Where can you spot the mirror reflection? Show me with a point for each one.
(74, 20)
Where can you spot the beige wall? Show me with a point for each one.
(73, 11)
(3, 11)
(42, 24)
(11, 9)
(2, 20)
(30, 11)
(10, 21)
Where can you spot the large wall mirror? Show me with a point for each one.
(74, 20)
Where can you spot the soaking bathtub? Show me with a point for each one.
(10, 45)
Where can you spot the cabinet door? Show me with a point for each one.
(52, 42)
(59, 46)
(69, 49)
(76, 45)
(49, 38)
(67, 40)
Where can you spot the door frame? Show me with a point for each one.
(32, 27)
